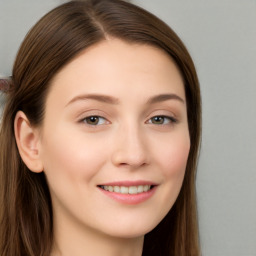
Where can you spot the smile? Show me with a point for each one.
(129, 192)
(132, 190)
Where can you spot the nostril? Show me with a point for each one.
(130, 153)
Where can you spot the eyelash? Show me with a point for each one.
(87, 119)
(166, 120)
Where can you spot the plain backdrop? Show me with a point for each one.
(221, 37)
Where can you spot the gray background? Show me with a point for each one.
(221, 37)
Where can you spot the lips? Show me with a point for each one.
(127, 189)
(129, 192)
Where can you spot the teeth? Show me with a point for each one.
(133, 190)
(146, 188)
(140, 189)
(127, 190)
(123, 190)
(116, 189)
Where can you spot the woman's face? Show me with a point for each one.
(114, 143)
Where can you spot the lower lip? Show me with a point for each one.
(130, 198)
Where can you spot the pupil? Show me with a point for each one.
(93, 119)
(158, 119)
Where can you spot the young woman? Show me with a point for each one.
(100, 137)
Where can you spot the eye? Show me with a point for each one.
(94, 120)
(161, 120)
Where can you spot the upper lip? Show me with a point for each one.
(128, 183)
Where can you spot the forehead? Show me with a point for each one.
(114, 66)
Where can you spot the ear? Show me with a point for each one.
(28, 142)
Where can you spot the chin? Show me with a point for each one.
(129, 230)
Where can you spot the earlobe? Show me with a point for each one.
(28, 142)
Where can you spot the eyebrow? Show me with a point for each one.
(98, 97)
(114, 101)
(165, 97)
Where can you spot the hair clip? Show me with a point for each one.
(5, 83)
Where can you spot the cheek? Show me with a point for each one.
(174, 161)
(173, 156)
(71, 157)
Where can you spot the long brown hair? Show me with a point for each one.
(26, 226)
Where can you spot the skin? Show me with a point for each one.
(125, 143)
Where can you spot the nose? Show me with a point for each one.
(130, 149)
